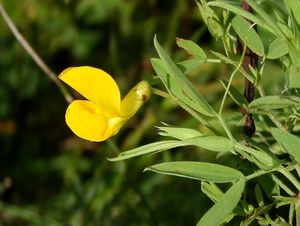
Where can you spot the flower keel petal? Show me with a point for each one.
(132, 102)
(86, 120)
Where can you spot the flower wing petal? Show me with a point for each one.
(86, 120)
(95, 85)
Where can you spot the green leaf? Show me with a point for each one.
(198, 171)
(179, 133)
(289, 142)
(295, 55)
(212, 143)
(277, 48)
(176, 93)
(258, 195)
(287, 31)
(271, 102)
(269, 186)
(148, 149)
(264, 159)
(210, 19)
(211, 190)
(216, 215)
(248, 35)
(188, 94)
(294, 7)
(294, 77)
(192, 48)
(239, 11)
(266, 17)
(188, 66)
(237, 97)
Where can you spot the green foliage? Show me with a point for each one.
(198, 171)
(266, 166)
(248, 35)
(216, 214)
(51, 177)
(289, 142)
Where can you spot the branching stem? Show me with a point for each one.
(37, 59)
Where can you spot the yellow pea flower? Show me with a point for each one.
(103, 113)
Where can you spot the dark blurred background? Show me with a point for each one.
(48, 176)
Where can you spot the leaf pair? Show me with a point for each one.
(213, 173)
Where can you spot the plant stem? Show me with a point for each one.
(283, 186)
(217, 61)
(226, 46)
(230, 81)
(289, 176)
(226, 128)
(297, 210)
(37, 59)
(291, 213)
(161, 93)
(257, 174)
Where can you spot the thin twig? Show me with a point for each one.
(38, 60)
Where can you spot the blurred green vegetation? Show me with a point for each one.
(48, 175)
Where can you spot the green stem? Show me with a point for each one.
(37, 59)
(256, 174)
(291, 213)
(161, 93)
(297, 209)
(226, 128)
(230, 80)
(213, 61)
(241, 149)
(283, 185)
(226, 46)
(289, 176)
(297, 168)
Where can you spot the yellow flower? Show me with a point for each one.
(103, 113)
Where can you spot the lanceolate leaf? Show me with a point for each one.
(295, 55)
(198, 171)
(212, 143)
(294, 7)
(277, 48)
(294, 77)
(188, 66)
(271, 102)
(289, 142)
(248, 35)
(266, 17)
(216, 215)
(211, 190)
(178, 132)
(173, 88)
(239, 11)
(211, 19)
(192, 48)
(187, 93)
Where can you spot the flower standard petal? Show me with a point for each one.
(86, 120)
(95, 85)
